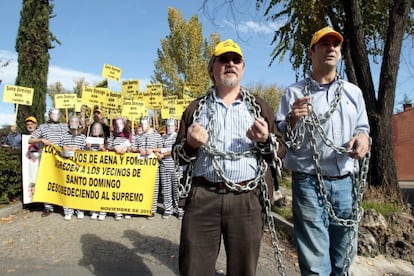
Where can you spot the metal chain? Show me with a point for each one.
(269, 220)
(313, 123)
(211, 149)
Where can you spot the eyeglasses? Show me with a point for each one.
(225, 60)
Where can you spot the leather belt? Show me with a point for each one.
(336, 177)
(327, 177)
(218, 187)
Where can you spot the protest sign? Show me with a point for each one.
(97, 180)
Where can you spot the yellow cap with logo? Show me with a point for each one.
(324, 32)
(227, 46)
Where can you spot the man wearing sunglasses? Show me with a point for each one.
(225, 140)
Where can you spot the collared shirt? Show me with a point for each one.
(349, 118)
(231, 125)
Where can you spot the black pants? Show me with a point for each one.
(237, 217)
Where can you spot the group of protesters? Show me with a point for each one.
(117, 137)
(227, 141)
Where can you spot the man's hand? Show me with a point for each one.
(196, 135)
(359, 145)
(299, 110)
(259, 131)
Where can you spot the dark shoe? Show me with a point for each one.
(46, 212)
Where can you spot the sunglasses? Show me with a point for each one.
(225, 60)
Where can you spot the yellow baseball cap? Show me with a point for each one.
(324, 32)
(30, 118)
(227, 46)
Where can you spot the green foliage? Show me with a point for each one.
(300, 19)
(183, 56)
(384, 208)
(10, 175)
(284, 211)
(270, 93)
(32, 45)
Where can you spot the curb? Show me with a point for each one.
(11, 209)
(283, 224)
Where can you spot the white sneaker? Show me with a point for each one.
(127, 217)
(101, 217)
(118, 216)
(68, 217)
(80, 215)
(94, 216)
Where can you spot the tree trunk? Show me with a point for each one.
(382, 165)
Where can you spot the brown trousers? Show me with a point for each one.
(210, 216)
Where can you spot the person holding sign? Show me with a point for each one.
(227, 138)
(46, 134)
(149, 144)
(120, 142)
(169, 180)
(70, 142)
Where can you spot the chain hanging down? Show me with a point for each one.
(184, 185)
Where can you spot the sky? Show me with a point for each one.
(127, 34)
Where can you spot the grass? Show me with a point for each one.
(382, 202)
(374, 198)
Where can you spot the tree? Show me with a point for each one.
(183, 56)
(370, 29)
(32, 45)
(270, 93)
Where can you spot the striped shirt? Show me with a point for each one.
(117, 141)
(168, 141)
(231, 125)
(70, 140)
(148, 140)
(51, 132)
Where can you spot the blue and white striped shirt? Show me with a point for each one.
(231, 125)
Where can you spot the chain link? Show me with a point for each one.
(211, 149)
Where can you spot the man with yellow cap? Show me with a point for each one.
(325, 125)
(30, 123)
(224, 141)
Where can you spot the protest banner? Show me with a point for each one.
(18, 95)
(130, 88)
(153, 95)
(65, 100)
(111, 72)
(97, 180)
(95, 96)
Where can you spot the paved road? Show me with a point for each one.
(32, 245)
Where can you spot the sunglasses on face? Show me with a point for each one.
(225, 60)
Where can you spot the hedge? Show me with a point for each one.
(10, 175)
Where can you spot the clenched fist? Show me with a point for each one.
(196, 135)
